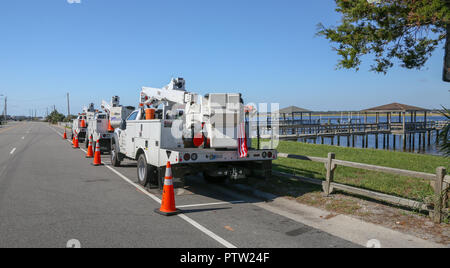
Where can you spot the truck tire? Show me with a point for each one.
(115, 159)
(214, 179)
(144, 170)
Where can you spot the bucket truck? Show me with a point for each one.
(79, 127)
(97, 125)
(206, 135)
(102, 129)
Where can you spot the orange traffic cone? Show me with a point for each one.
(73, 138)
(168, 199)
(65, 135)
(76, 145)
(90, 152)
(97, 155)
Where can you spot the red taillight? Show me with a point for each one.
(198, 139)
(187, 157)
(269, 154)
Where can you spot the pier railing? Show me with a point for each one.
(441, 183)
(300, 127)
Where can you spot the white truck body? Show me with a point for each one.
(98, 130)
(77, 127)
(154, 139)
(169, 137)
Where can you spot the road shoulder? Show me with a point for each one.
(343, 226)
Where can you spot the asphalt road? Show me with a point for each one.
(50, 194)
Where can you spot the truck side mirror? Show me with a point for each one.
(123, 125)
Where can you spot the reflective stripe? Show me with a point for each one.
(168, 173)
(168, 182)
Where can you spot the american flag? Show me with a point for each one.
(242, 142)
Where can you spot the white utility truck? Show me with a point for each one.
(79, 127)
(97, 128)
(206, 135)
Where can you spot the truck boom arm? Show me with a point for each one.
(173, 93)
(106, 107)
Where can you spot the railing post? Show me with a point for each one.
(438, 197)
(330, 166)
(446, 190)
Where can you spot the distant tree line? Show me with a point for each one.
(55, 117)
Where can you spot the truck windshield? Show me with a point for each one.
(133, 116)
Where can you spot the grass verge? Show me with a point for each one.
(411, 188)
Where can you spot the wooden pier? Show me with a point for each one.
(348, 132)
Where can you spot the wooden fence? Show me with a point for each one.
(440, 179)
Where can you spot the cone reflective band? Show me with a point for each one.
(168, 207)
(97, 155)
(76, 145)
(90, 152)
(168, 180)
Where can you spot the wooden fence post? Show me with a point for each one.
(446, 195)
(330, 166)
(438, 197)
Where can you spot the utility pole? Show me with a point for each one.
(6, 110)
(68, 106)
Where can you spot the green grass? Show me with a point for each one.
(411, 188)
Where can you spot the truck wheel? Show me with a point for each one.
(115, 160)
(143, 170)
(214, 179)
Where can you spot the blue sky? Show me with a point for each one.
(265, 49)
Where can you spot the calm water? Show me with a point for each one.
(429, 149)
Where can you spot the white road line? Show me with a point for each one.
(210, 204)
(155, 198)
(207, 232)
(13, 150)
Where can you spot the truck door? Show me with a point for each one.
(130, 134)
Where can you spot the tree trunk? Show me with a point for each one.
(446, 74)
